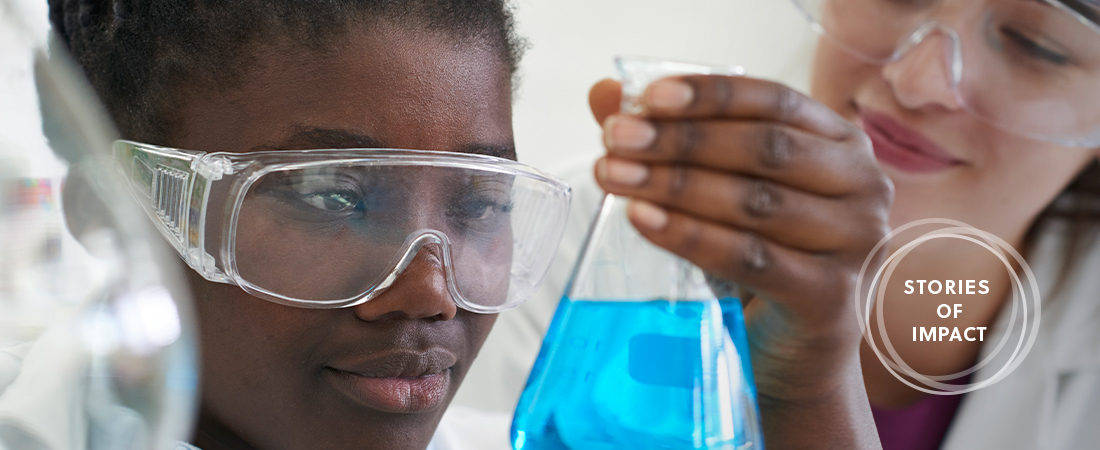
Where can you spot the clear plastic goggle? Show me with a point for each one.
(334, 228)
(1032, 67)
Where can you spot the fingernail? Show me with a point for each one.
(648, 215)
(617, 171)
(628, 133)
(669, 94)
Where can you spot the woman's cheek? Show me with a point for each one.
(836, 76)
(478, 327)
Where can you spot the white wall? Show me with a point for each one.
(574, 41)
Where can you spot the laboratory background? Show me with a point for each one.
(572, 44)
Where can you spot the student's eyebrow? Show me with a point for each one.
(500, 151)
(322, 138)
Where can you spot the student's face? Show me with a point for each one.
(996, 181)
(378, 375)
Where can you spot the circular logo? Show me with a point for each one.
(1024, 315)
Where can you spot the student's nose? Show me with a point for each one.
(921, 79)
(420, 292)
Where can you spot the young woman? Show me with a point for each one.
(983, 112)
(342, 293)
(293, 355)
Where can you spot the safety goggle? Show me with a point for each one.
(334, 228)
(1030, 67)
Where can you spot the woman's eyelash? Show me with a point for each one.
(1035, 49)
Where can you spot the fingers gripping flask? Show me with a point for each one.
(641, 353)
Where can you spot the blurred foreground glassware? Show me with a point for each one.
(641, 354)
(97, 348)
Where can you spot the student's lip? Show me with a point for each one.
(903, 147)
(404, 383)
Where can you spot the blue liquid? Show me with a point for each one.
(640, 375)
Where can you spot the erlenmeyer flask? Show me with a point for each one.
(98, 349)
(641, 353)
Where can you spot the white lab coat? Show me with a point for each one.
(41, 404)
(1051, 401)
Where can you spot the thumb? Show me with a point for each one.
(604, 99)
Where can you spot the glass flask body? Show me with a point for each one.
(641, 354)
(98, 349)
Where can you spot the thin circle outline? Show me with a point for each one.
(902, 252)
(912, 373)
(1013, 363)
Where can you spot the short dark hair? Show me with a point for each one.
(138, 54)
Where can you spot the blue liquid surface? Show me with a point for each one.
(640, 375)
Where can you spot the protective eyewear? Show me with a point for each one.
(334, 228)
(1030, 67)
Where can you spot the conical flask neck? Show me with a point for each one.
(619, 264)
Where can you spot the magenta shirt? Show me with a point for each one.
(921, 426)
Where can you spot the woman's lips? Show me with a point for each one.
(402, 395)
(403, 382)
(903, 147)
